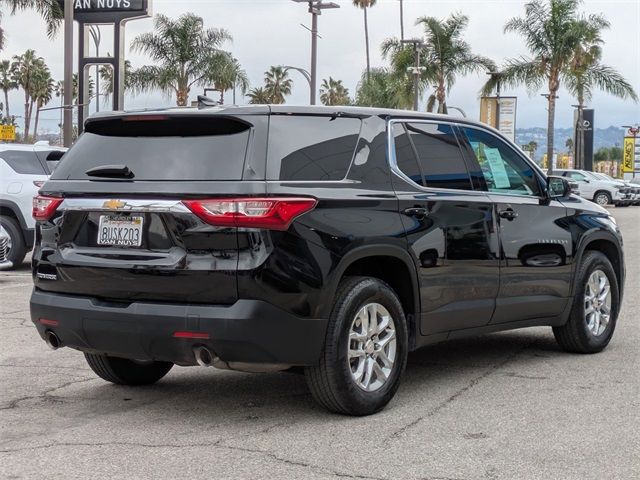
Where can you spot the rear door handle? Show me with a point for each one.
(508, 214)
(416, 212)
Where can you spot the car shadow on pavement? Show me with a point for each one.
(223, 396)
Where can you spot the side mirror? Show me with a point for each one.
(558, 187)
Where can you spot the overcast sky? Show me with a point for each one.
(268, 32)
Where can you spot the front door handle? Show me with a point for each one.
(508, 214)
(416, 212)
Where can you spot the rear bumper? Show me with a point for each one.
(250, 331)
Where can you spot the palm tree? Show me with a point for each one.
(586, 72)
(49, 10)
(7, 82)
(381, 88)
(444, 56)
(106, 75)
(552, 30)
(277, 84)
(184, 52)
(27, 67)
(532, 146)
(42, 93)
(259, 96)
(333, 92)
(364, 5)
(229, 76)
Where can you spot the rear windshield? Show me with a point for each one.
(160, 148)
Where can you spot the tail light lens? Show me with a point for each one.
(44, 207)
(273, 213)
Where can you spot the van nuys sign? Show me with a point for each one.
(86, 9)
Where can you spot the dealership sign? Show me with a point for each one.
(500, 113)
(98, 11)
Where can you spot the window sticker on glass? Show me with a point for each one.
(498, 171)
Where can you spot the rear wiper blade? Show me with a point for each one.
(110, 171)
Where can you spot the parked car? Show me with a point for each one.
(23, 170)
(601, 191)
(336, 239)
(633, 191)
(5, 264)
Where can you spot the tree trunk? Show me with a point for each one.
(35, 126)
(6, 103)
(27, 120)
(550, 132)
(221, 96)
(181, 97)
(441, 96)
(366, 41)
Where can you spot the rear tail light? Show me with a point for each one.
(273, 213)
(44, 207)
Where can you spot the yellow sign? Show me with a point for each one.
(628, 154)
(7, 132)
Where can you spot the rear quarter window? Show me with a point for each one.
(311, 147)
(23, 161)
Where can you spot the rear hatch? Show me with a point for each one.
(121, 224)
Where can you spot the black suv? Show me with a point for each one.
(331, 238)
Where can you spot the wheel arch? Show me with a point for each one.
(11, 209)
(607, 244)
(383, 262)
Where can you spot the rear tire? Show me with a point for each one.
(366, 305)
(127, 372)
(18, 249)
(579, 334)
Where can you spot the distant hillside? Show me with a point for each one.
(604, 137)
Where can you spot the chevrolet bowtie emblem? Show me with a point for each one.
(113, 204)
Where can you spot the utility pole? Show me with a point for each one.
(401, 20)
(416, 70)
(315, 9)
(68, 74)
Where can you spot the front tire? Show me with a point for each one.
(365, 350)
(127, 372)
(17, 249)
(602, 198)
(592, 320)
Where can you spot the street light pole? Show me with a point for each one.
(68, 74)
(315, 9)
(305, 74)
(416, 70)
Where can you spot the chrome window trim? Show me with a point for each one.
(391, 154)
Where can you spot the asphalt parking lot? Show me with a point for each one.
(502, 406)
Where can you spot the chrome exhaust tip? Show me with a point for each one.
(204, 356)
(52, 340)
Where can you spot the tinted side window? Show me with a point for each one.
(24, 162)
(430, 156)
(406, 158)
(439, 154)
(504, 170)
(311, 147)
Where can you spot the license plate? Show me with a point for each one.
(120, 231)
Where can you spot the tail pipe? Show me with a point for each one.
(204, 356)
(52, 340)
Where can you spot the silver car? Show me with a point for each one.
(4, 249)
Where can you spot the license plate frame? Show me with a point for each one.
(120, 231)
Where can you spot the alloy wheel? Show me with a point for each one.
(597, 302)
(372, 347)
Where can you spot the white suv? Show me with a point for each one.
(602, 191)
(23, 170)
